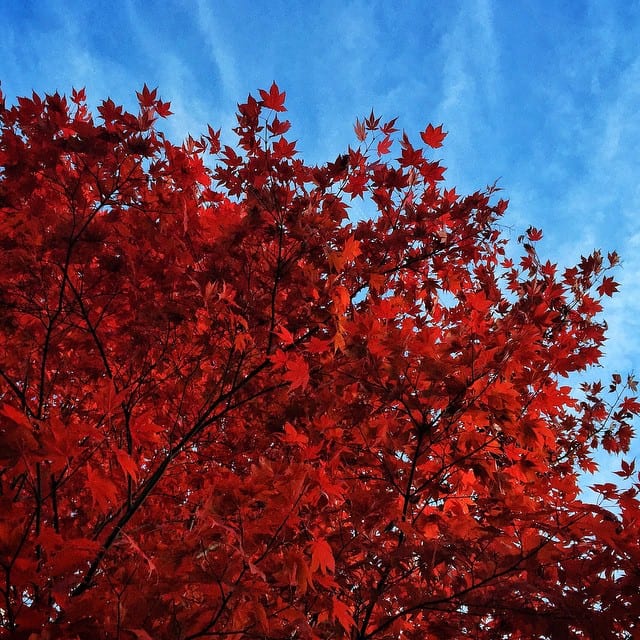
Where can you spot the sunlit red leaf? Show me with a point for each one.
(78, 96)
(273, 99)
(147, 97)
(279, 127)
(343, 615)
(433, 136)
(282, 148)
(322, 557)
(297, 372)
(360, 130)
(384, 146)
(163, 109)
(608, 286)
(291, 436)
(534, 234)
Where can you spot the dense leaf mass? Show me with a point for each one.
(230, 409)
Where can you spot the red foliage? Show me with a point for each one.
(228, 411)
(433, 136)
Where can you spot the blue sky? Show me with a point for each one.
(541, 95)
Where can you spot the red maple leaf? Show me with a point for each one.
(389, 127)
(322, 557)
(534, 234)
(146, 97)
(433, 136)
(78, 96)
(608, 286)
(343, 614)
(273, 99)
(384, 146)
(278, 127)
(291, 436)
(282, 148)
(163, 109)
(297, 372)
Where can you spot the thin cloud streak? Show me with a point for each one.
(469, 52)
(217, 52)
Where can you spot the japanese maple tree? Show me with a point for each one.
(232, 407)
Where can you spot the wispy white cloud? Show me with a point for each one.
(469, 53)
(160, 63)
(217, 50)
(592, 183)
(59, 55)
(602, 198)
(347, 75)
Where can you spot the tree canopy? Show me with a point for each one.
(230, 409)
